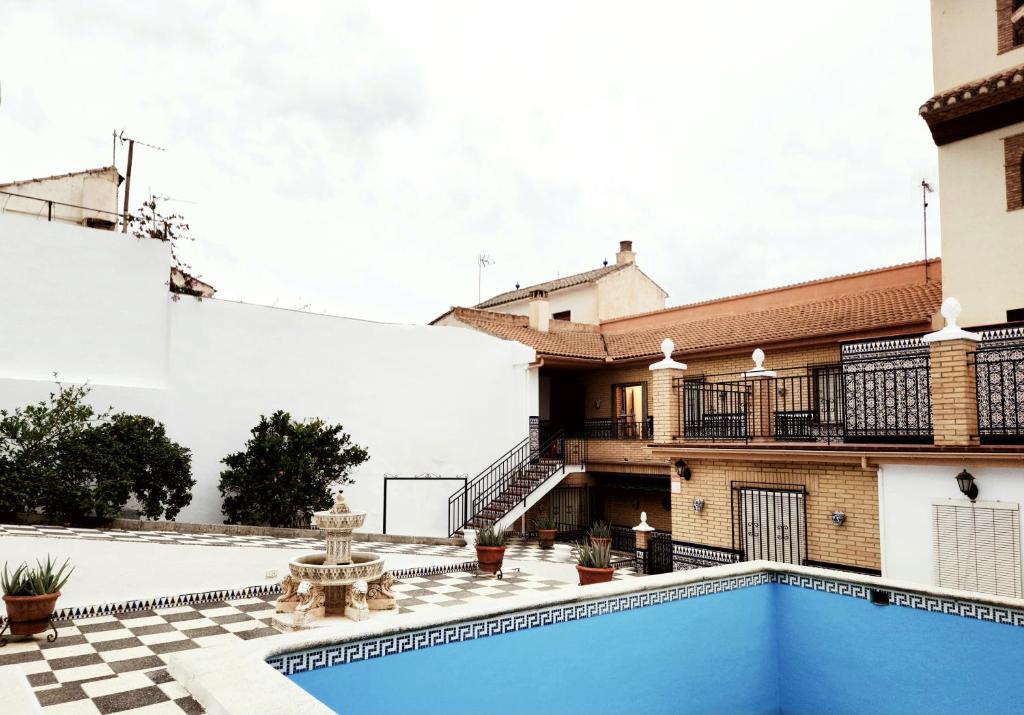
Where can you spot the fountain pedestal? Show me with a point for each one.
(337, 584)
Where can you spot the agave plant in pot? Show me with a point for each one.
(547, 530)
(490, 548)
(31, 593)
(601, 534)
(593, 563)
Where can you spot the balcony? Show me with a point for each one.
(880, 395)
(999, 375)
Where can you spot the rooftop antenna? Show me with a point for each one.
(482, 261)
(926, 189)
(128, 170)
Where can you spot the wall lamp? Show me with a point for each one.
(698, 504)
(965, 480)
(682, 470)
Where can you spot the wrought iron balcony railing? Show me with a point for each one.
(999, 375)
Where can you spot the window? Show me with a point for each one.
(1015, 315)
(562, 315)
(1013, 149)
(977, 546)
(1009, 24)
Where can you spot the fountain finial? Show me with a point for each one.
(340, 507)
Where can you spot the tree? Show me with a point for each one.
(62, 457)
(286, 471)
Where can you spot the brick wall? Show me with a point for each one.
(1013, 149)
(1006, 39)
(830, 487)
(954, 393)
(623, 507)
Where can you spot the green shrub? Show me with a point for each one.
(287, 471)
(38, 581)
(544, 522)
(489, 536)
(62, 457)
(600, 530)
(594, 557)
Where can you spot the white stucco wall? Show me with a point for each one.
(627, 292)
(906, 494)
(94, 305)
(982, 242)
(964, 44)
(581, 300)
(94, 190)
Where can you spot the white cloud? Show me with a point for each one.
(360, 155)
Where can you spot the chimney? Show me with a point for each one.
(625, 254)
(540, 310)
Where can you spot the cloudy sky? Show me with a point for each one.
(356, 158)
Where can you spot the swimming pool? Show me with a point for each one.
(769, 642)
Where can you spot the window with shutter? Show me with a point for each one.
(977, 546)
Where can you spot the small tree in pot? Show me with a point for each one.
(601, 534)
(490, 548)
(547, 530)
(31, 593)
(594, 563)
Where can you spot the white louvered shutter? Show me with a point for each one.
(977, 546)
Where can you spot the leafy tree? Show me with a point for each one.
(286, 471)
(62, 457)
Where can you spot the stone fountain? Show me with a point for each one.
(326, 587)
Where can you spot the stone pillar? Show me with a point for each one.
(641, 532)
(665, 398)
(954, 390)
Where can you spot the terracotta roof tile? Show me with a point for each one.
(557, 284)
(878, 309)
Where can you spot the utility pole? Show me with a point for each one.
(482, 261)
(926, 189)
(128, 172)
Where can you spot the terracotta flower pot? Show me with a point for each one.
(589, 575)
(546, 537)
(601, 541)
(30, 614)
(490, 558)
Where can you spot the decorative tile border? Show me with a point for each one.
(331, 655)
(192, 599)
(327, 656)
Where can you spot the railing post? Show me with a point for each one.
(954, 394)
(760, 420)
(49, 211)
(665, 399)
(642, 534)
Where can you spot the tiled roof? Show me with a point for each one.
(557, 284)
(576, 340)
(871, 310)
(964, 97)
(98, 170)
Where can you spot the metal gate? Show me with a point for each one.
(769, 522)
(659, 553)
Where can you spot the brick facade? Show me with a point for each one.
(954, 393)
(830, 487)
(1008, 37)
(1013, 149)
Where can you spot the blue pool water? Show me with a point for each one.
(767, 649)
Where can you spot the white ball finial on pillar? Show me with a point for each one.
(951, 310)
(643, 525)
(759, 371)
(667, 363)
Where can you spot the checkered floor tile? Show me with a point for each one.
(112, 664)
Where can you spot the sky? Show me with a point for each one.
(356, 158)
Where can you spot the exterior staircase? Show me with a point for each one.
(505, 490)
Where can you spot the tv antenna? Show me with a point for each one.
(482, 261)
(926, 189)
(128, 171)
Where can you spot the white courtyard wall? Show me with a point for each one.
(906, 494)
(94, 306)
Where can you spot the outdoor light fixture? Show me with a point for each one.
(682, 470)
(698, 504)
(965, 480)
(838, 518)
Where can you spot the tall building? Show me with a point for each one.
(976, 118)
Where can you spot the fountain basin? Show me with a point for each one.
(365, 566)
(345, 521)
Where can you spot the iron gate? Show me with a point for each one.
(659, 553)
(770, 522)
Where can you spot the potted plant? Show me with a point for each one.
(490, 548)
(601, 534)
(547, 529)
(31, 593)
(594, 563)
